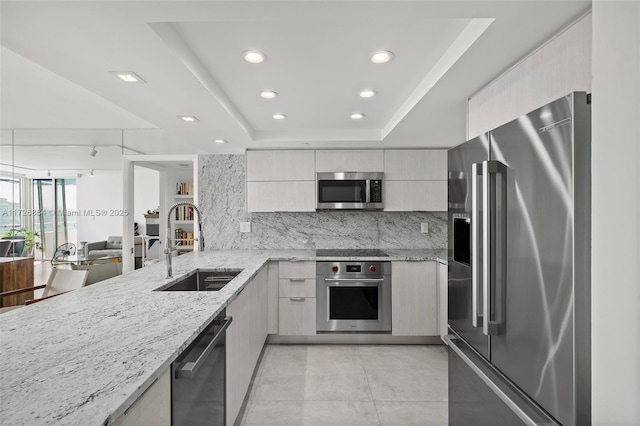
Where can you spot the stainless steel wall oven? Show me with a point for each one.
(353, 296)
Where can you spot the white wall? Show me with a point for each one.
(99, 194)
(561, 66)
(146, 194)
(616, 213)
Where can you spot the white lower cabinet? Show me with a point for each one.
(414, 299)
(443, 289)
(245, 338)
(153, 407)
(272, 296)
(297, 316)
(297, 298)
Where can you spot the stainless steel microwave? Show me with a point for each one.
(349, 191)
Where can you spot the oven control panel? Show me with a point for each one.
(353, 269)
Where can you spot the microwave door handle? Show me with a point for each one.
(367, 191)
(476, 254)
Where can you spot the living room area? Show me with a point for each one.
(57, 220)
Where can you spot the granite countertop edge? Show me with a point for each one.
(76, 331)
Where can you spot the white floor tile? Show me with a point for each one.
(413, 413)
(339, 385)
(311, 413)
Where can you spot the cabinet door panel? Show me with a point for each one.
(294, 196)
(443, 272)
(245, 339)
(414, 299)
(297, 316)
(153, 407)
(347, 160)
(428, 195)
(415, 164)
(280, 165)
(272, 295)
(237, 347)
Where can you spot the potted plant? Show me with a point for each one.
(29, 238)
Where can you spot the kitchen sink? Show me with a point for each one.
(204, 280)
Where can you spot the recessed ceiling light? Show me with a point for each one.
(188, 118)
(254, 57)
(128, 76)
(268, 94)
(357, 116)
(279, 116)
(219, 141)
(367, 93)
(381, 57)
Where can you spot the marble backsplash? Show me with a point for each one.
(221, 198)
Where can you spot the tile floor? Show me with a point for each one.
(349, 385)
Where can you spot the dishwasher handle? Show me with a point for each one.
(189, 369)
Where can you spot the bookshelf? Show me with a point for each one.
(183, 218)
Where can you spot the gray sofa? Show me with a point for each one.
(111, 247)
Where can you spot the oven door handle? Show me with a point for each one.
(188, 370)
(361, 280)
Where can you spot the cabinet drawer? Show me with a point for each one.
(297, 287)
(297, 316)
(306, 269)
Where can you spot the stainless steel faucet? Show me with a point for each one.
(168, 248)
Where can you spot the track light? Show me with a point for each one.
(93, 152)
(49, 173)
(91, 173)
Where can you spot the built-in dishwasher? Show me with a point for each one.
(198, 379)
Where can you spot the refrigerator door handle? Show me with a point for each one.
(476, 257)
(494, 197)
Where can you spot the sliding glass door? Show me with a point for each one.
(55, 204)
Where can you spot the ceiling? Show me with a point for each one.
(56, 88)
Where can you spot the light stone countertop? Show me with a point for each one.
(83, 358)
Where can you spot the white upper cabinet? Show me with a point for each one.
(415, 180)
(349, 160)
(281, 181)
(282, 196)
(285, 181)
(415, 195)
(264, 166)
(415, 164)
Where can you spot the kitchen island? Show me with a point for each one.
(87, 356)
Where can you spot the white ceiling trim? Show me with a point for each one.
(167, 32)
(461, 44)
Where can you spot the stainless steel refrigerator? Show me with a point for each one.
(519, 271)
